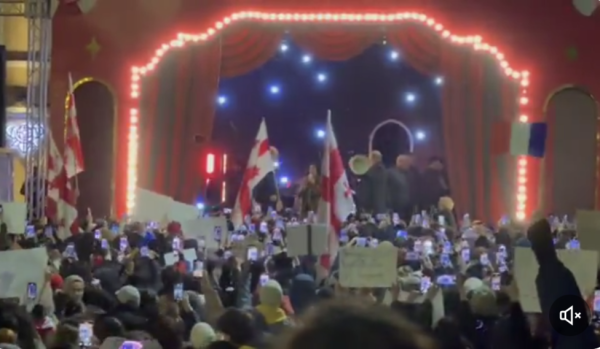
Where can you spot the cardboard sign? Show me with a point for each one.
(368, 267)
(208, 228)
(307, 239)
(582, 263)
(15, 216)
(14, 280)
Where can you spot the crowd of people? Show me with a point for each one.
(110, 286)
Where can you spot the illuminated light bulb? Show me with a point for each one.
(439, 80)
(394, 55)
(276, 164)
(420, 135)
(320, 134)
(222, 100)
(321, 77)
(284, 180)
(284, 47)
(520, 215)
(524, 100)
(410, 97)
(274, 90)
(306, 59)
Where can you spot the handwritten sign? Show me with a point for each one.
(368, 267)
(213, 230)
(14, 215)
(582, 263)
(14, 280)
(307, 239)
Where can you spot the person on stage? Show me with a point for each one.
(372, 191)
(399, 188)
(434, 183)
(309, 192)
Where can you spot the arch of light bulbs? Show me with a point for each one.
(182, 39)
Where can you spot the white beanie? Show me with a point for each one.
(202, 335)
(471, 284)
(129, 295)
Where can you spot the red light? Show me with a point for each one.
(210, 163)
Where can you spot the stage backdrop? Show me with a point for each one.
(108, 40)
(178, 102)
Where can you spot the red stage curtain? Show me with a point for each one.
(247, 47)
(462, 100)
(334, 43)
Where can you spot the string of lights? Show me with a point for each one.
(475, 42)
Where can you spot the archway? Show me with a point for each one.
(244, 47)
(571, 168)
(96, 112)
(392, 138)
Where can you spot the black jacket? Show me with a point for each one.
(373, 190)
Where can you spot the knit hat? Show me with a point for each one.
(202, 335)
(56, 282)
(271, 294)
(483, 301)
(129, 295)
(471, 284)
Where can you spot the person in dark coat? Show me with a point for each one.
(399, 189)
(433, 184)
(373, 187)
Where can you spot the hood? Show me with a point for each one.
(302, 292)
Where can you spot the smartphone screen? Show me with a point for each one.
(49, 232)
(32, 292)
(252, 253)
(466, 255)
(442, 220)
(131, 345)
(227, 254)
(402, 234)
(395, 219)
(176, 244)
(445, 260)
(264, 278)
(104, 244)
(70, 251)
(198, 269)
(412, 256)
(446, 280)
(496, 282)
(202, 242)
(483, 259)
(425, 284)
(418, 247)
(178, 292)
(30, 231)
(97, 234)
(362, 242)
(269, 248)
(123, 244)
(85, 334)
(144, 251)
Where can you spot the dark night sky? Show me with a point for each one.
(360, 92)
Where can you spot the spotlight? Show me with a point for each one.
(222, 100)
(394, 55)
(276, 164)
(200, 206)
(320, 134)
(284, 180)
(274, 89)
(410, 97)
(306, 59)
(321, 77)
(283, 47)
(439, 80)
(420, 135)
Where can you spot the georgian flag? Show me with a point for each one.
(336, 201)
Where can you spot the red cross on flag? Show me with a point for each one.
(73, 151)
(260, 164)
(336, 200)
